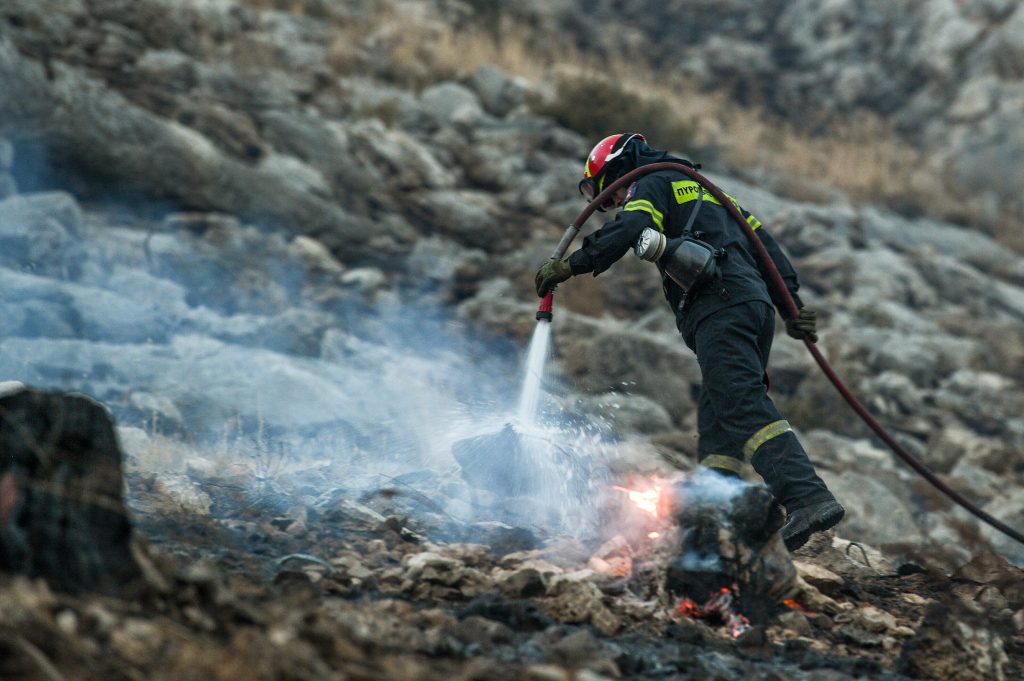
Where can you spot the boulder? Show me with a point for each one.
(499, 93)
(36, 230)
(984, 401)
(1008, 508)
(873, 513)
(464, 216)
(626, 413)
(405, 162)
(451, 104)
(62, 513)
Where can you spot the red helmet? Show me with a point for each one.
(599, 160)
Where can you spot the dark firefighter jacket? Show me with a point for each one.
(664, 201)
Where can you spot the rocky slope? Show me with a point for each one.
(948, 75)
(283, 270)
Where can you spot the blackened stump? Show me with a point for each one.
(62, 494)
(729, 537)
(497, 462)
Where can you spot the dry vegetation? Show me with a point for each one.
(861, 156)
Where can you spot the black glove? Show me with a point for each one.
(803, 326)
(550, 274)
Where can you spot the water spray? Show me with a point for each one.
(537, 355)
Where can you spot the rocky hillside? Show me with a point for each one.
(295, 261)
(949, 76)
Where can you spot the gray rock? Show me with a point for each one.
(499, 93)
(625, 413)
(392, 106)
(156, 406)
(924, 359)
(976, 482)
(404, 161)
(885, 275)
(300, 176)
(103, 316)
(464, 216)
(841, 453)
(37, 318)
(873, 513)
(954, 641)
(1010, 510)
(952, 444)
(170, 68)
(451, 104)
(60, 207)
(96, 127)
(369, 281)
(439, 262)
(984, 400)
(313, 255)
(293, 332)
(892, 394)
(89, 312)
(598, 355)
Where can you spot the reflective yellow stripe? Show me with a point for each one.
(753, 222)
(760, 437)
(648, 207)
(723, 462)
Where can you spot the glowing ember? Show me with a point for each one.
(645, 500)
(718, 610)
(793, 605)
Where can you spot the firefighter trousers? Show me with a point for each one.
(736, 419)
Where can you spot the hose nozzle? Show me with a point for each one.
(544, 313)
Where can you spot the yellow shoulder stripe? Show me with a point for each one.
(647, 207)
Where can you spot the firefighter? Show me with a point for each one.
(724, 311)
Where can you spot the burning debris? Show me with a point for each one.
(728, 536)
(718, 610)
(716, 542)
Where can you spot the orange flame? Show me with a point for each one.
(645, 500)
(688, 608)
(719, 610)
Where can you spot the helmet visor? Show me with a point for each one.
(590, 187)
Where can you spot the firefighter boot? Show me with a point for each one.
(803, 522)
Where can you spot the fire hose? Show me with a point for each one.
(791, 311)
